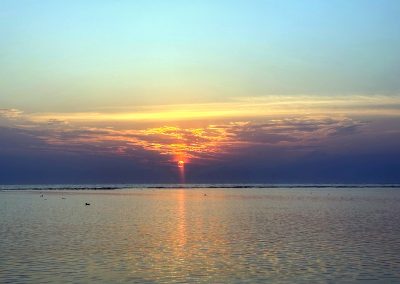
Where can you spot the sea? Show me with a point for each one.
(199, 233)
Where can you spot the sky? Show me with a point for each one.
(239, 91)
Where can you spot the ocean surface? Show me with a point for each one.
(193, 234)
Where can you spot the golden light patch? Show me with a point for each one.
(250, 107)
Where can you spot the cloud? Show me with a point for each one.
(202, 132)
(23, 141)
(56, 122)
(236, 109)
(295, 131)
(208, 142)
(295, 149)
(10, 113)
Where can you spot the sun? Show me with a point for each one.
(181, 164)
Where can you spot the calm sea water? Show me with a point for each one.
(200, 235)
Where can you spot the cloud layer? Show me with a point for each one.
(238, 148)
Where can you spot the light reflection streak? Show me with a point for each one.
(181, 168)
(181, 234)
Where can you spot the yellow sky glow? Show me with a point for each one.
(245, 107)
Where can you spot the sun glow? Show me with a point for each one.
(249, 107)
(181, 167)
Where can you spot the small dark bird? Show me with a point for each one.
(87, 204)
(205, 194)
(41, 195)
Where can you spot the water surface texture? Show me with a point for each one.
(200, 235)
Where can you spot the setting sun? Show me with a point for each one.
(181, 164)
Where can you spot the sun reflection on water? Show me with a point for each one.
(181, 234)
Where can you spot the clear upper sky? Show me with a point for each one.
(228, 91)
(80, 55)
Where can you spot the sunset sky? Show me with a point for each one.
(240, 91)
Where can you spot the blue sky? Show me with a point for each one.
(148, 52)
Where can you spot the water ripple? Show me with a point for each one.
(181, 236)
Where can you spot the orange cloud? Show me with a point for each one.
(204, 131)
(204, 143)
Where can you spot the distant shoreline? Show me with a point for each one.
(190, 186)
